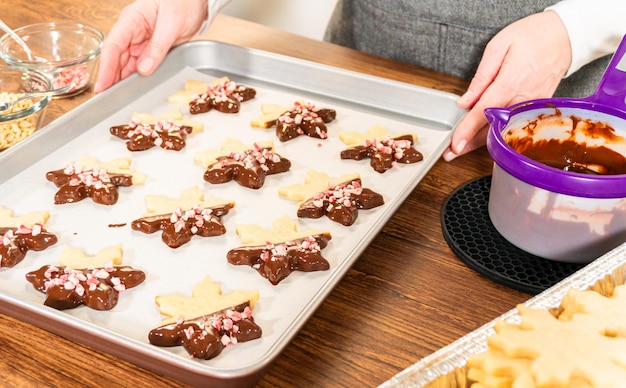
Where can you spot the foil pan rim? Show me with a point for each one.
(453, 356)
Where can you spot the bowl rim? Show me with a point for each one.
(51, 26)
(37, 106)
(547, 177)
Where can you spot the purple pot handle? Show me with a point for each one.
(612, 88)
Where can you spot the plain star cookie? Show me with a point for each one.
(580, 344)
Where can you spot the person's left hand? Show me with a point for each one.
(524, 61)
(143, 35)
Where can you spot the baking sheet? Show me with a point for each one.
(447, 366)
(360, 101)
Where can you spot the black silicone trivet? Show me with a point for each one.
(470, 234)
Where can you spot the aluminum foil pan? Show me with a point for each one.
(447, 366)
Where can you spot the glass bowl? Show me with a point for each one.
(23, 119)
(66, 52)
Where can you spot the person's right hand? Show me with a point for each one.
(524, 61)
(143, 35)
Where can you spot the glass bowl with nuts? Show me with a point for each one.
(24, 118)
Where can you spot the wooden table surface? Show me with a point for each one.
(407, 296)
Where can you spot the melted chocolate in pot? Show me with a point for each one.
(569, 154)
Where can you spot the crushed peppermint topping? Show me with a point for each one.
(389, 146)
(8, 237)
(252, 157)
(225, 323)
(199, 214)
(152, 131)
(77, 280)
(338, 195)
(299, 113)
(189, 332)
(97, 176)
(276, 251)
(220, 93)
(11, 235)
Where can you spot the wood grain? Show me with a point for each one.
(407, 296)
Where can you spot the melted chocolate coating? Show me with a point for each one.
(341, 203)
(141, 137)
(248, 168)
(385, 153)
(226, 98)
(74, 187)
(277, 261)
(15, 242)
(179, 228)
(91, 289)
(304, 119)
(205, 337)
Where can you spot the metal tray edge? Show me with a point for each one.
(50, 137)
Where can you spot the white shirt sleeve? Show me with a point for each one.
(595, 28)
(215, 6)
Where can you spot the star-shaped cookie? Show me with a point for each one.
(206, 322)
(302, 118)
(246, 165)
(82, 279)
(221, 94)
(168, 131)
(340, 199)
(19, 234)
(90, 178)
(383, 149)
(278, 251)
(182, 218)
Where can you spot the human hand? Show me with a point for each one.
(144, 33)
(524, 61)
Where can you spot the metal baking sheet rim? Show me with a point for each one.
(410, 101)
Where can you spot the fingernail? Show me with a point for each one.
(460, 146)
(465, 97)
(449, 155)
(145, 65)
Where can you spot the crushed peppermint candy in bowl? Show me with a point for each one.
(67, 52)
